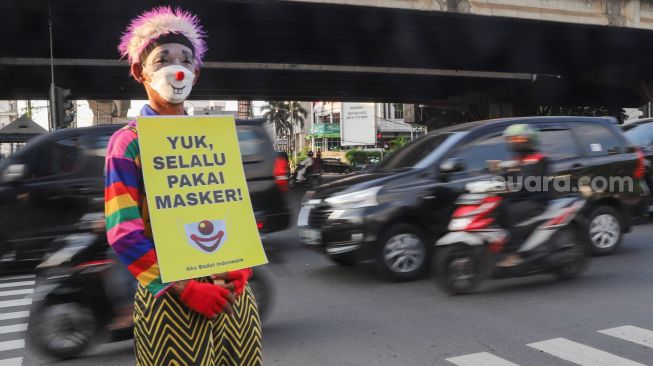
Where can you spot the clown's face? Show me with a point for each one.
(169, 73)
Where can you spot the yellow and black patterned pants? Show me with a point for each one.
(168, 333)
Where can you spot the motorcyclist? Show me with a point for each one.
(526, 176)
(317, 163)
(306, 164)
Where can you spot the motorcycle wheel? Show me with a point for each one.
(460, 269)
(313, 182)
(580, 255)
(292, 183)
(63, 330)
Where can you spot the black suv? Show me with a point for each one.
(394, 213)
(57, 177)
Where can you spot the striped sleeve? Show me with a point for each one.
(124, 219)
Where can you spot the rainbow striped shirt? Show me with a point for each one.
(127, 217)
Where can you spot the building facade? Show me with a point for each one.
(341, 126)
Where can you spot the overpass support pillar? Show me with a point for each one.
(109, 111)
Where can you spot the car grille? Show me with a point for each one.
(318, 216)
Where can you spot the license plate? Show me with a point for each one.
(311, 236)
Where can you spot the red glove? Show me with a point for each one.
(239, 278)
(205, 298)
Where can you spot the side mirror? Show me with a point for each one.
(452, 165)
(13, 173)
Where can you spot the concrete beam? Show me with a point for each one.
(622, 13)
(261, 66)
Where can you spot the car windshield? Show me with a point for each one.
(413, 153)
(639, 135)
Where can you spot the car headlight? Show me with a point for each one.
(358, 199)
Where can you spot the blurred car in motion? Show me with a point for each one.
(394, 213)
(48, 185)
(334, 165)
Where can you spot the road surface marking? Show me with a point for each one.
(17, 292)
(633, 334)
(10, 345)
(10, 303)
(483, 358)
(18, 361)
(581, 354)
(17, 284)
(21, 277)
(14, 315)
(13, 328)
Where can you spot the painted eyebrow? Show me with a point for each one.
(162, 53)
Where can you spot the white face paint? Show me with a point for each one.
(170, 69)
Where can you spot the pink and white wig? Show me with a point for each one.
(161, 21)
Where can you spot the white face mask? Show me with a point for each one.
(173, 83)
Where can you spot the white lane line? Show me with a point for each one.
(10, 303)
(17, 284)
(13, 328)
(10, 345)
(21, 277)
(581, 354)
(631, 333)
(18, 361)
(27, 291)
(483, 358)
(14, 315)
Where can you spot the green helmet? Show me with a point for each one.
(522, 138)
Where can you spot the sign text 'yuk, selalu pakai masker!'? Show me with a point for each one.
(200, 209)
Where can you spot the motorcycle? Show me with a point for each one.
(471, 250)
(312, 179)
(75, 301)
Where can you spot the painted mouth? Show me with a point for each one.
(201, 242)
(177, 90)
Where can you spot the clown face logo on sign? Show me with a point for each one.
(207, 235)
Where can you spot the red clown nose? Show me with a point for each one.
(180, 75)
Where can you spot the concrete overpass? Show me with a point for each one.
(514, 53)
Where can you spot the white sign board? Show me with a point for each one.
(357, 125)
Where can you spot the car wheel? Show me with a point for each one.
(347, 170)
(605, 230)
(402, 253)
(346, 259)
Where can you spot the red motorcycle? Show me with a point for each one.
(470, 252)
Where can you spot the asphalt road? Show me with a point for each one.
(325, 314)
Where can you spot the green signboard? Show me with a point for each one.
(329, 130)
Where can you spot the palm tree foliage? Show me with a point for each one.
(283, 114)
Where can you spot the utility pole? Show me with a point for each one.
(53, 112)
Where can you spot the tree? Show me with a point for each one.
(284, 116)
(554, 110)
(277, 115)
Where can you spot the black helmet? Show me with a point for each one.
(310, 153)
(522, 138)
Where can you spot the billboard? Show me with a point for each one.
(358, 124)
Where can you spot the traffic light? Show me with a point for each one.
(379, 139)
(63, 105)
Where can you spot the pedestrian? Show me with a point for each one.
(205, 321)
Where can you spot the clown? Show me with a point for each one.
(204, 321)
